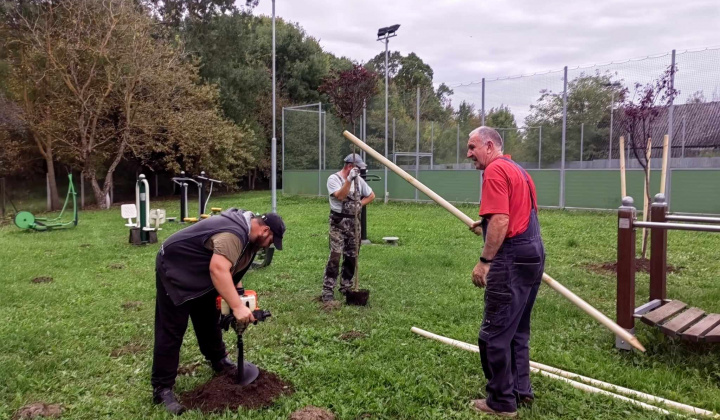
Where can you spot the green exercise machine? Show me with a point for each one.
(27, 220)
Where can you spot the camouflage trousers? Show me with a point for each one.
(343, 242)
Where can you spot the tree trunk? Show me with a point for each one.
(54, 198)
(100, 197)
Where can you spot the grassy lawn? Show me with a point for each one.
(85, 339)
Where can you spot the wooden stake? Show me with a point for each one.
(666, 141)
(623, 187)
(589, 309)
(645, 193)
(569, 377)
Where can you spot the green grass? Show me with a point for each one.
(56, 339)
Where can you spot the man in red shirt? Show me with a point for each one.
(510, 269)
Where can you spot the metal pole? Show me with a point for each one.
(324, 141)
(320, 150)
(273, 143)
(582, 132)
(540, 147)
(364, 129)
(564, 129)
(393, 139)
(612, 101)
(458, 144)
(82, 190)
(417, 141)
(282, 136)
(386, 117)
(683, 138)
(671, 111)
(47, 191)
(432, 142)
(482, 109)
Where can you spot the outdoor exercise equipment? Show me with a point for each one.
(582, 382)
(145, 229)
(26, 220)
(200, 181)
(589, 309)
(669, 315)
(247, 372)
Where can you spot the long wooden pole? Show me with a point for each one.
(589, 309)
(623, 185)
(568, 377)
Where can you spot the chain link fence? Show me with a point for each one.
(564, 126)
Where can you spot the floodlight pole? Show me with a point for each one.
(384, 34)
(273, 143)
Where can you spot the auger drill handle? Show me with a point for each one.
(227, 318)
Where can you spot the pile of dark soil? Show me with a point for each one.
(42, 280)
(312, 413)
(642, 265)
(130, 348)
(221, 393)
(352, 335)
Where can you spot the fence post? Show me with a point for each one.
(432, 143)
(482, 110)
(457, 159)
(582, 133)
(320, 148)
(671, 113)
(658, 249)
(324, 130)
(82, 190)
(683, 140)
(540, 148)
(417, 142)
(2, 197)
(625, 270)
(564, 129)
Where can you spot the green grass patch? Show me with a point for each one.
(84, 339)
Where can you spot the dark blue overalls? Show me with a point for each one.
(512, 285)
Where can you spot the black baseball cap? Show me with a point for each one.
(277, 226)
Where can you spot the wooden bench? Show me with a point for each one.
(676, 320)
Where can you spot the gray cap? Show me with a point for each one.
(356, 159)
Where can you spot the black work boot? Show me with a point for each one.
(223, 365)
(166, 397)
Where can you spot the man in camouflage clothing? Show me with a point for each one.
(348, 194)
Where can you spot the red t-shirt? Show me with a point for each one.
(505, 191)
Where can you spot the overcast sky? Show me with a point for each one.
(465, 40)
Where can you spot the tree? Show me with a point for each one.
(349, 90)
(174, 12)
(697, 97)
(504, 120)
(639, 113)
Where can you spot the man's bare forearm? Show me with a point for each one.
(367, 200)
(496, 231)
(343, 192)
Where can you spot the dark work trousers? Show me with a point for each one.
(512, 285)
(170, 324)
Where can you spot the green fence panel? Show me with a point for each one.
(547, 186)
(600, 189)
(695, 191)
(300, 182)
(460, 186)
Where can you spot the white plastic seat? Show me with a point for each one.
(129, 211)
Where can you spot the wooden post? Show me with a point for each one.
(658, 250)
(623, 185)
(626, 270)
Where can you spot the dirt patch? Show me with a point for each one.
(312, 413)
(42, 280)
(221, 393)
(135, 305)
(352, 335)
(642, 265)
(330, 306)
(189, 369)
(39, 410)
(85, 245)
(131, 348)
(117, 266)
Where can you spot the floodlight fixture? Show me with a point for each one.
(387, 32)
